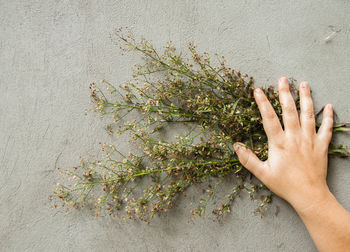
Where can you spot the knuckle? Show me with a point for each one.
(328, 121)
(305, 92)
(308, 114)
(269, 115)
(246, 161)
(308, 142)
(279, 144)
(324, 139)
(288, 108)
(324, 149)
(283, 89)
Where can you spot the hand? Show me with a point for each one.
(296, 167)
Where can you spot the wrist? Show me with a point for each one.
(312, 199)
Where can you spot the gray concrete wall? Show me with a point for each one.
(51, 49)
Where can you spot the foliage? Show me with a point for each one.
(216, 106)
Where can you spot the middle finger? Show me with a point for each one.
(289, 110)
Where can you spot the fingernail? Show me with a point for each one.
(283, 81)
(238, 146)
(329, 106)
(258, 91)
(304, 84)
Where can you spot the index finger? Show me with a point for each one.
(272, 125)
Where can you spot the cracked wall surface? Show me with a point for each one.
(50, 50)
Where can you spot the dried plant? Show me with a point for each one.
(214, 103)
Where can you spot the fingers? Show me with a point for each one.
(325, 131)
(249, 160)
(272, 125)
(307, 116)
(289, 110)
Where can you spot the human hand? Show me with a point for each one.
(296, 167)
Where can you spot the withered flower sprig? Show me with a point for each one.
(216, 106)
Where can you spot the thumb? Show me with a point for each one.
(248, 159)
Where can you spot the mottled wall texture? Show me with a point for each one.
(50, 50)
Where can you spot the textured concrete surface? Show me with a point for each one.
(50, 50)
